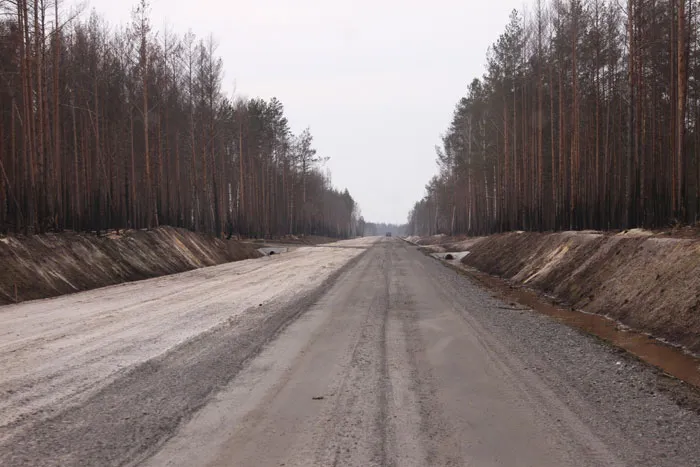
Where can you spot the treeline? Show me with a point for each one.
(588, 117)
(103, 129)
(374, 229)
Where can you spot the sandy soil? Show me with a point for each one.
(376, 355)
(647, 281)
(57, 352)
(41, 266)
(444, 243)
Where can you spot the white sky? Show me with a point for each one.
(376, 81)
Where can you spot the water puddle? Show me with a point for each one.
(672, 360)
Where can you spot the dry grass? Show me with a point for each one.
(48, 265)
(649, 281)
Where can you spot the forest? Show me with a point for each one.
(114, 128)
(587, 117)
(382, 228)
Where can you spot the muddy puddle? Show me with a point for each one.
(671, 360)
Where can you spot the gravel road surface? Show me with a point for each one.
(373, 355)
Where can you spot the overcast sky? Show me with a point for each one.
(375, 80)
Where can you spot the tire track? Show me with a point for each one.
(357, 433)
(437, 435)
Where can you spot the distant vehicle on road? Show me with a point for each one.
(388, 234)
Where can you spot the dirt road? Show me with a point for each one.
(373, 355)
